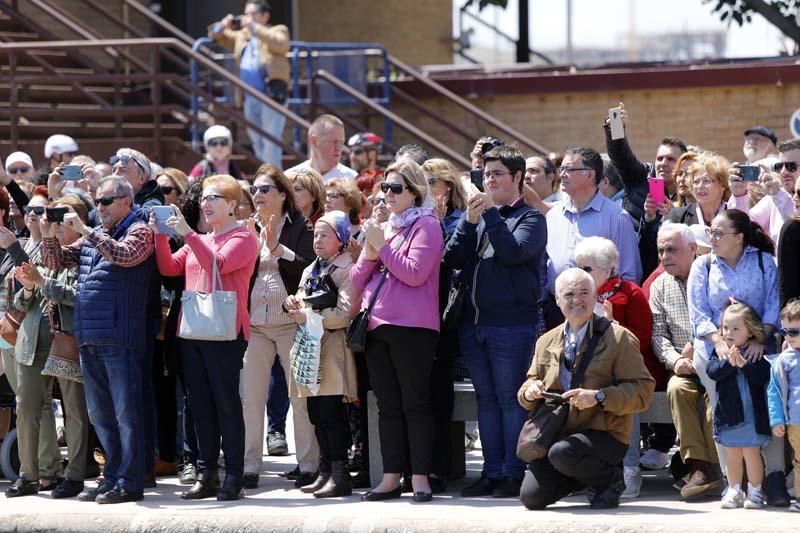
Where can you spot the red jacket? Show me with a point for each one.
(632, 311)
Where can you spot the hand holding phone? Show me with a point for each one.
(615, 123)
(56, 214)
(553, 396)
(656, 186)
(476, 178)
(161, 214)
(71, 173)
(749, 172)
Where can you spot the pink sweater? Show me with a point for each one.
(410, 295)
(235, 251)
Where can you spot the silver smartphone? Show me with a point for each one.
(615, 123)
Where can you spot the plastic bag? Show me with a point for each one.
(305, 353)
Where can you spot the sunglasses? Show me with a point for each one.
(358, 151)
(123, 159)
(396, 188)
(218, 142)
(789, 332)
(791, 166)
(587, 269)
(36, 210)
(18, 170)
(265, 188)
(378, 200)
(333, 195)
(166, 189)
(108, 200)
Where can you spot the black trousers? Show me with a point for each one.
(165, 384)
(399, 360)
(442, 400)
(586, 459)
(211, 373)
(328, 414)
(659, 436)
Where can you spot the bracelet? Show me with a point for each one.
(272, 251)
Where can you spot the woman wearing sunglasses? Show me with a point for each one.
(286, 241)
(399, 269)
(173, 183)
(218, 142)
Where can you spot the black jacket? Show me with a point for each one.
(789, 261)
(729, 410)
(149, 196)
(208, 170)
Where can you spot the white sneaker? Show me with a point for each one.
(633, 482)
(733, 498)
(654, 459)
(755, 498)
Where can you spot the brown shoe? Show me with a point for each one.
(703, 480)
(165, 468)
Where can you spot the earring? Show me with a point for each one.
(230, 214)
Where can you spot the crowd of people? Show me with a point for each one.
(169, 310)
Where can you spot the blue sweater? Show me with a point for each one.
(783, 393)
(503, 279)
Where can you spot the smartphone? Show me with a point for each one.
(56, 214)
(615, 123)
(553, 396)
(750, 172)
(656, 186)
(236, 23)
(161, 214)
(476, 178)
(71, 173)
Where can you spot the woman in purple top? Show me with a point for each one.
(403, 326)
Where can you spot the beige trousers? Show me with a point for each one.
(265, 343)
(688, 402)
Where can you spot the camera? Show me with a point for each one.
(236, 23)
(491, 144)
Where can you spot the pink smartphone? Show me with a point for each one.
(657, 190)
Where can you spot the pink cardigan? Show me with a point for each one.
(410, 295)
(235, 251)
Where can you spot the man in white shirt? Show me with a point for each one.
(325, 144)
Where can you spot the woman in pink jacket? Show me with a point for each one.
(404, 325)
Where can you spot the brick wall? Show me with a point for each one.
(417, 31)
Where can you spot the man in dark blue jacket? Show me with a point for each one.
(499, 245)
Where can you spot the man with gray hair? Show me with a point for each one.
(325, 144)
(671, 340)
(114, 263)
(135, 167)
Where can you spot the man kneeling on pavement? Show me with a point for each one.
(597, 430)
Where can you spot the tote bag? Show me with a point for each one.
(208, 316)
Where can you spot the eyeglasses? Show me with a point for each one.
(211, 197)
(333, 195)
(18, 170)
(108, 200)
(705, 182)
(718, 233)
(791, 166)
(166, 189)
(358, 151)
(37, 210)
(495, 175)
(736, 180)
(265, 188)
(217, 142)
(789, 332)
(589, 269)
(378, 200)
(123, 159)
(565, 170)
(396, 188)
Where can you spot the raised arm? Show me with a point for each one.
(131, 251)
(237, 252)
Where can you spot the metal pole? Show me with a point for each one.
(523, 46)
(569, 31)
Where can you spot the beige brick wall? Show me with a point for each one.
(416, 31)
(714, 118)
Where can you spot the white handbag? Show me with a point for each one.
(208, 316)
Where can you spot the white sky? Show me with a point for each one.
(605, 24)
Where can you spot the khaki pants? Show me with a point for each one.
(793, 433)
(687, 401)
(265, 343)
(46, 448)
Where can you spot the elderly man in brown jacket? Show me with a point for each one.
(260, 54)
(597, 431)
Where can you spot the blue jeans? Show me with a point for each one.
(271, 122)
(277, 399)
(498, 359)
(112, 377)
(632, 455)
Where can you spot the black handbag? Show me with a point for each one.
(357, 332)
(321, 292)
(544, 424)
(454, 310)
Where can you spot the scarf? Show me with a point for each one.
(409, 216)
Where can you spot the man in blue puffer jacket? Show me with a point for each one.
(500, 247)
(115, 266)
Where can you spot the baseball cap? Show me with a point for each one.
(18, 157)
(763, 130)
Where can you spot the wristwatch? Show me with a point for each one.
(600, 396)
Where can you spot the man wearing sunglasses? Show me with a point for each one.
(789, 165)
(363, 156)
(115, 263)
(18, 166)
(135, 167)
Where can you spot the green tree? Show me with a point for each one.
(780, 13)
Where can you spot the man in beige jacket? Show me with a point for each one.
(260, 53)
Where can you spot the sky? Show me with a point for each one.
(605, 24)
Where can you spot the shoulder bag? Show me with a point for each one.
(208, 316)
(11, 320)
(63, 361)
(544, 425)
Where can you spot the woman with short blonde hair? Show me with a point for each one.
(451, 200)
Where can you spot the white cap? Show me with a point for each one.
(59, 144)
(18, 157)
(700, 236)
(217, 132)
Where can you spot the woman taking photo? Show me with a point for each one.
(173, 183)
(403, 327)
(211, 368)
(286, 248)
(449, 198)
(309, 193)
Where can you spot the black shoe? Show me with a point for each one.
(187, 474)
(608, 498)
(206, 486)
(338, 484)
(322, 478)
(117, 495)
(149, 481)
(422, 497)
(231, 490)
(250, 481)
(438, 484)
(46, 485)
(90, 495)
(405, 485)
(483, 487)
(67, 489)
(305, 478)
(22, 487)
(292, 474)
(361, 480)
(507, 488)
(373, 496)
(775, 490)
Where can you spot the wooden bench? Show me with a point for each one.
(465, 408)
